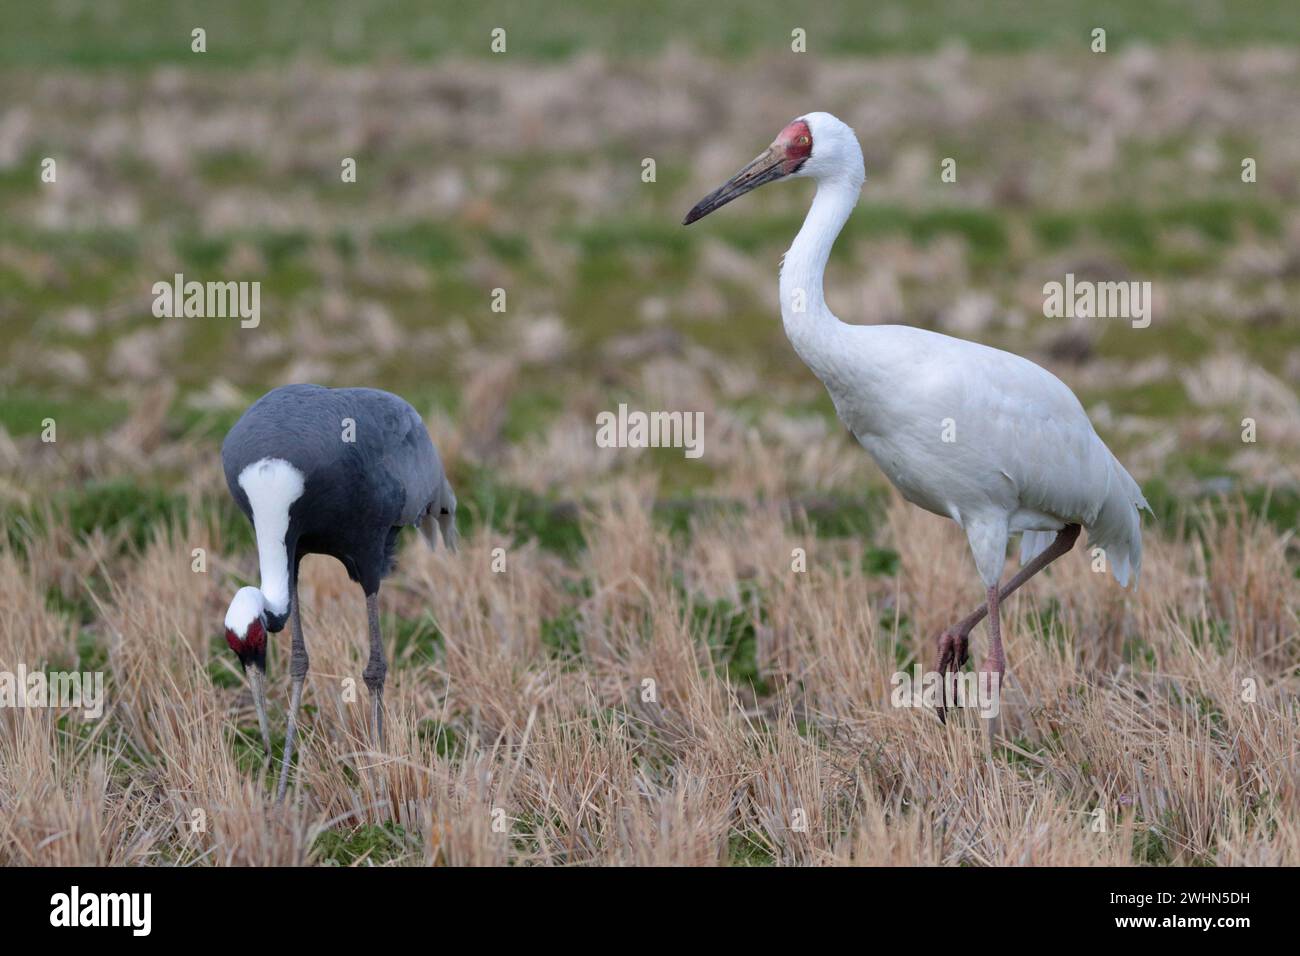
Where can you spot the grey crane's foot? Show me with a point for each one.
(954, 650)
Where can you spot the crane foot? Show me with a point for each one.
(954, 649)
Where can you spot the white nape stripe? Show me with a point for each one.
(272, 485)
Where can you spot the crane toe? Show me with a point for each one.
(954, 650)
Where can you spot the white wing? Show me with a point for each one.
(988, 438)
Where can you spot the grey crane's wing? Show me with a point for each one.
(413, 463)
(295, 423)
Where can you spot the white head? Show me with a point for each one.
(246, 634)
(816, 145)
(246, 627)
(836, 153)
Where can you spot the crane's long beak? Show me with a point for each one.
(765, 168)
(257, 681)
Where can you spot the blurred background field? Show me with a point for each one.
(138, 32)
(522, 171)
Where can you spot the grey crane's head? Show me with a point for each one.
(815, 146)
(246, 627)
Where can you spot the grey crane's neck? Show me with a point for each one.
(273, 565)
(812, 328)
(272, 486)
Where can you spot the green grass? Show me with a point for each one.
(1172, 510)
(202, 254)
(448, 742)
(880, 562)
(120, 505)
(553, 524)
(369, 843)
(745, 851)
(416, 640)
(729, 631)
(141, 34)
(561, 636)
(427, 242)
(24, 413)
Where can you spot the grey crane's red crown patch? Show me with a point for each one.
(796, 141)
(253, 643)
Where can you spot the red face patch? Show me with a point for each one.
(796, 142)
(253, 642)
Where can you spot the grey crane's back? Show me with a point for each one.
(364, 454)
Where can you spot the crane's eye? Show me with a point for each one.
(804, 141)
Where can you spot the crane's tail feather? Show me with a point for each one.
(1034, 543)
(1117, 529)
(440, 518)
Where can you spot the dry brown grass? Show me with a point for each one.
(1129, 703)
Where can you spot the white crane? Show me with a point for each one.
(979, 435)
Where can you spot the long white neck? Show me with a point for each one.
(809, 324)
(272, 486)
(273, 563)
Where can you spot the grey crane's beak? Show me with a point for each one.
(765, 167)
(257, 681)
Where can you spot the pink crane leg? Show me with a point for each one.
(954, 643)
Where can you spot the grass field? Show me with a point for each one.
(518, 731)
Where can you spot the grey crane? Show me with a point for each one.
(337, 471)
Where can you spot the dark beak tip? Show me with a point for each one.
(691, 216)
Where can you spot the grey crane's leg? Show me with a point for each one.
(298, 663)
(376, 669)
(954, 643)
